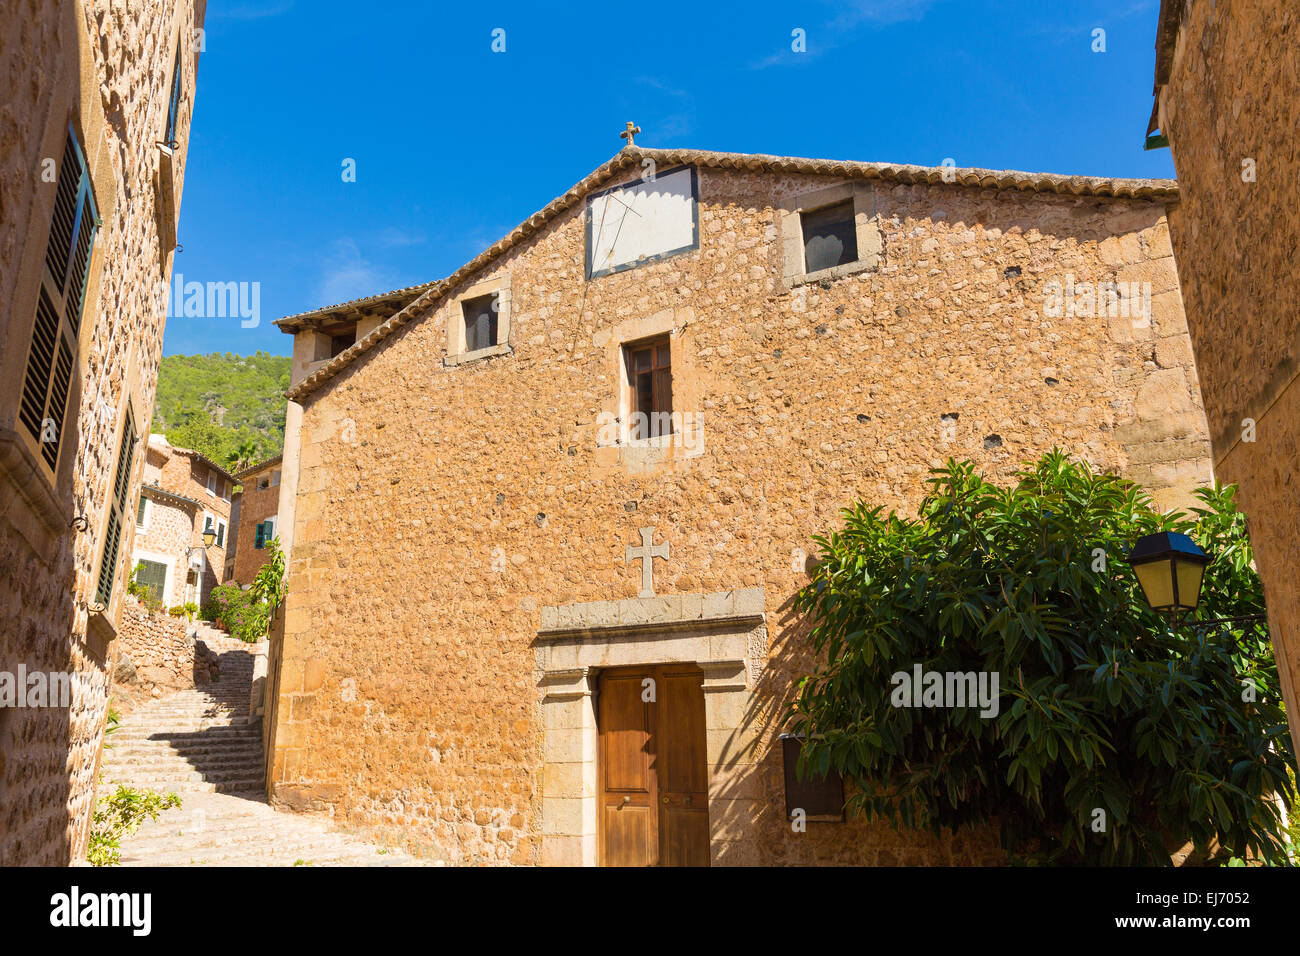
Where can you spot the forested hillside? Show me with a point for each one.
(229, 407)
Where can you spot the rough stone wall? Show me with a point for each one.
(183, 475)
(170, 532)
(107, 69)
(155, 653)
(256, 505)
(439, 509)
(1231, 112)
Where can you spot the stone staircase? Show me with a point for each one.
(200, 744)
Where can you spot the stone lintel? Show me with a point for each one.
(743, 608)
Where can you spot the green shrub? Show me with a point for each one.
(269, 584)
(120, 814)
(1107, 714)
(144, 593)
(238, 612)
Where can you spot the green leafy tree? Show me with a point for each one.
(246, 454)
(212, 441)
(1117, 739)
(269, 583)
(217, 403)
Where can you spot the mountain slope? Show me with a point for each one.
(218, 403)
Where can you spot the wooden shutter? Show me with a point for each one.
(153, 576)
(174, 105)
(116, 511)
(60, 302)
(259, 539)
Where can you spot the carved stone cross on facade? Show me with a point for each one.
(628, 133)
(646, 554)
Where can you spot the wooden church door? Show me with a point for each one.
(654, 778)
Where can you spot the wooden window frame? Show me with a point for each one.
(656, 346)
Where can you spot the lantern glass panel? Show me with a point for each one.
(1189, 582)
(1156, 578)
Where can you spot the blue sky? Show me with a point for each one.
(455, 145)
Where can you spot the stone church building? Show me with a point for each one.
(545, 516)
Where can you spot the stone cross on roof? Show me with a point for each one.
(628, 133)
(646, 555)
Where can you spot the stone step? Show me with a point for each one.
(190, 786)
(156, 754)
(198, 831)
(172, 723)
(201, 744)
(269, 836)
(167, 718)
(250, 765)
(192, 752)
(188, 734)
(173, 707)
(325, 848)
(157, 779)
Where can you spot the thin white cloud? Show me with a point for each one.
(675, 117)
(820, 38)
(880, 11)
(396, 238)
(347, 274)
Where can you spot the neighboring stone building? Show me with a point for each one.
(596, 457)
(259, 504)
(183, 496)
(88, 210)
(236, 502)
(1227, 100)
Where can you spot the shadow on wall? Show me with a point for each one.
(49, 754)
(853, 842)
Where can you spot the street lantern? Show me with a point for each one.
(208, 538)
(1169, 567)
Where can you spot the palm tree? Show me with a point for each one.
(246, 454)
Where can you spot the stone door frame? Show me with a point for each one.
(724, 634)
